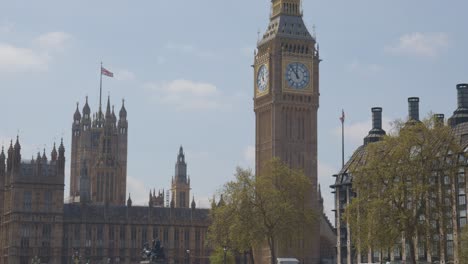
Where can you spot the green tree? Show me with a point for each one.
(261, 209)
(464, 246)
(219, 255)
(398, 187)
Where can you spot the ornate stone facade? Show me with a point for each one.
(99, 144)
(286, 101)
(92, 226)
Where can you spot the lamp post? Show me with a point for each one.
(188, 256)
(225, 251)
(36, 260)
(76, 257)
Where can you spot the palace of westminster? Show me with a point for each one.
(98, 223)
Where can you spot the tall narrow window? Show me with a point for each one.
(48, 201)
(27, 201)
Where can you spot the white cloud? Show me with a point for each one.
(203, 202)
(16, 59)
(124, 75)
(420, 44)
(186, 95)
(249, 156)
(189, 49)
(53, 40)
(356, 131)
(138, 191)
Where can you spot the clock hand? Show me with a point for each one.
(295, 72)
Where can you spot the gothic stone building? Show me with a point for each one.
(445, 243)
(286, 101)
(96, 224)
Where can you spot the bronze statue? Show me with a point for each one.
(155, 253)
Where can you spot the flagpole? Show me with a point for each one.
(100, 90)
(342, 139)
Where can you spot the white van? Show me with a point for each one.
(287, 261)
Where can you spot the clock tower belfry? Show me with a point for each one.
(286, 101)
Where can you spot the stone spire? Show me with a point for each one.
(53, 154)
(77, 115)
(193, 205)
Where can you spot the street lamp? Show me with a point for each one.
(225, 251)
(188, 255)
(36, 260)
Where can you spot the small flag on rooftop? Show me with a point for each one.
(342, 118)
(106, 72)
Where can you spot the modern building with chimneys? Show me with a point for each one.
(448, 237)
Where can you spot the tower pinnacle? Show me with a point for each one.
(286, 7)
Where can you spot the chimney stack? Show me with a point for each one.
(376, 133)
(377, 118)
(462, 95)
(413, 108)
(461, 114)
(439, 119)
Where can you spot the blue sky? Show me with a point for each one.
(184, 69)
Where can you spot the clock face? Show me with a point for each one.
(262, 78)
(297, 75)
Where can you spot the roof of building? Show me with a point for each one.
(134, 214)
(291, 27)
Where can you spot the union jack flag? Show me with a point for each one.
(342, 118)
(106, 72)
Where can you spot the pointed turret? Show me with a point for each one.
(221, 201)
(17, 145)
(17, 155)
(114, 118)
(181, 167)
(53, 154)
(129, 201)
(10, 158)
(108, 108)
(86, 109)
(2, 155)
(193, 205)
(2, 163)
(44, 157)
(123, 111)
(77, 115)
(61, 160)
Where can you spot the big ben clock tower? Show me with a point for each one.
(286, 101)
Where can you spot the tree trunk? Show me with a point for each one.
(412, 249)
(271, 241)
(251, 256)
